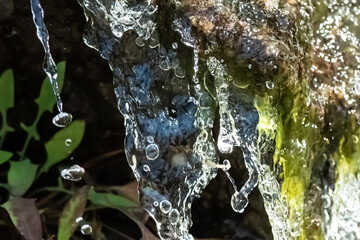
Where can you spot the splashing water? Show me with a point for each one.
(264, 77)
(63, 119)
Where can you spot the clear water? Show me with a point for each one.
(195, 88)
(63, 119)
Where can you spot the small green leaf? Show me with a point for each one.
(74, 209)
(20, 176)
(6, 99)
(6, 90)
(5, 156)
(25, 216)
(57, 150)
(46, 101)
(110, 200)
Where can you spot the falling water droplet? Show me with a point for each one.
(152, 151)
(156, 203)
(174, 45)
(239, 201)
(269, 85)
(146, 168)
(179, 72)
(174, 216)
(86, 229)
(355, 139)
(79, 220)
(74, 173)
(68, 142)
(63, 119)
(165, 206)
(357, 88)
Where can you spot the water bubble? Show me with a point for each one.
(152, 151)
(150, 139)
(355, 139)
(140, 42)
(156, 203)
(164, 65)
(63, 119)
(239, 201)
(174, 45)
(146, 168)
(269, 85)
(86, 229)
(68, 142)
(179, 72)
(174, 216)
(165, 206)
(225, 145)
(74, 173)
(227, 165)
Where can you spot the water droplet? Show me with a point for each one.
(239, 201)
(174, 216)
(79, 220)
(355, 139)
(74, 173)
(165, 206)
(146, 168)
(179, 72)
(227, 165)
(86, 229)
(63, 119)
(225, 145)
(156, 203)
(250, 66)
(164, 65)
(269, 84)
(152, 151)
(68, 142)
(150, 139)
(174, 45)
(140, 42)
(357, 88)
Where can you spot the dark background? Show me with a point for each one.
(88, 95)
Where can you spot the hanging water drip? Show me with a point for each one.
(74, 173)
(63, 119)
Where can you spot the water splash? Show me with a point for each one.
(63, 119)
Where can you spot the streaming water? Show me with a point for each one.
(63, 119)
(258, 82)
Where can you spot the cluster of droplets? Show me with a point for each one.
(85, 228)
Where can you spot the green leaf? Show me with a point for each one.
(125, 205)
(74, 209)
(20, 176)
(57, 150)
(110, 200)
(6, 99)
(5, 156)
(25, 216)
(46, 100)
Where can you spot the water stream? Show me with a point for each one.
(196, 80)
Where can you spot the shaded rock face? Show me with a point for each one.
(197, 81)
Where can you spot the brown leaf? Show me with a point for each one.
(25, 216)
